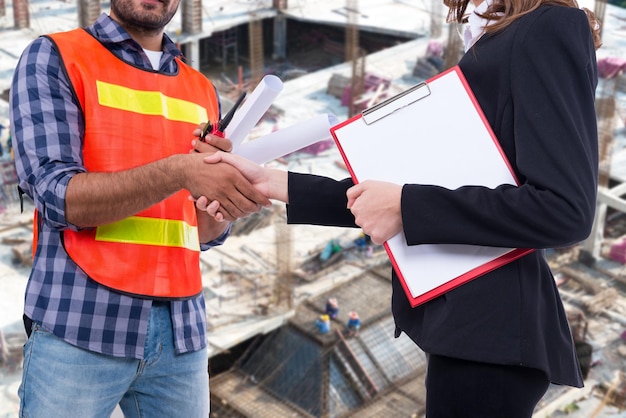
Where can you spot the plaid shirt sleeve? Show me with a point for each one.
(47, 128)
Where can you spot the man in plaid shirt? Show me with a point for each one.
(90, 346)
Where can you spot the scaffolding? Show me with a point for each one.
(222, 47)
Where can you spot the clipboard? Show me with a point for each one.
(433, 133)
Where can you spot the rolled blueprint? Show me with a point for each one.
(253, 109)
(288, 140)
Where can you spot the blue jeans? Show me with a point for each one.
(61, 380)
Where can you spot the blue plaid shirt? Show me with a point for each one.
(48, 128)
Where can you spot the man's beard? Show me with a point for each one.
(143, 21)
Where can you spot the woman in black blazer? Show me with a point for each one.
(495, 343)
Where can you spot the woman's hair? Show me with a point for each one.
(504, 12)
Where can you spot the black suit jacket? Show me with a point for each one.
(535, 82)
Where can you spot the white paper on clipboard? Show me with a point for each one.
(434, 133)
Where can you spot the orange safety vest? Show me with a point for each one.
(133, 117)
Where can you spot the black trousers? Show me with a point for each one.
(467, 389)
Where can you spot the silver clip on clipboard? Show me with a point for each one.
(395, 103)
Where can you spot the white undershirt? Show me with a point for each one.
(154, 57)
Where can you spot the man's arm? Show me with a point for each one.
(97, 198)
(48, 131)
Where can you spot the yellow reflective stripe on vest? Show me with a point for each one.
(150, 103)
(151, 231)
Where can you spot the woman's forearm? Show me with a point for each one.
(277, 184)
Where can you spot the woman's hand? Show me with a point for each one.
(376, 208)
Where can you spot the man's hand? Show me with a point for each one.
(223, 183)
(210, 223)
(210, 143)
(376, 208)
(213, 144)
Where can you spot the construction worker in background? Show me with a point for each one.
(332, 308)
(323, 324)
(353, 324)
(102, 119)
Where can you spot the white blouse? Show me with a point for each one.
(475, 25)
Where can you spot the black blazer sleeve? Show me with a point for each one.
(318, 200)
(536, 83)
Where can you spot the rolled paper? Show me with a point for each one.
(253, 109)
(288, 140)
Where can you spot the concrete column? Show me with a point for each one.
(192, 16)
(436, 18)
(280, 37)
(193, 53)
(88, 12)
(21, 15)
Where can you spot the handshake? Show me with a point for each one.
(375, 205)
